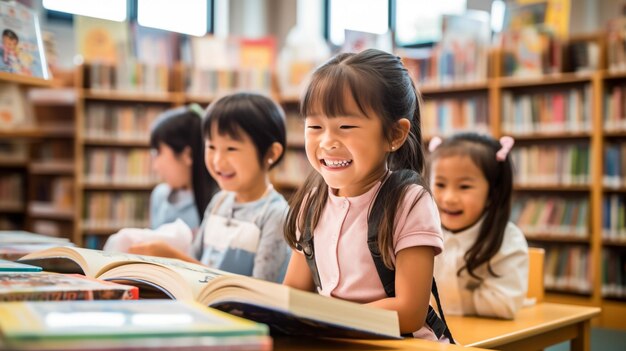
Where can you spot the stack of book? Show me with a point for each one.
(15, 243)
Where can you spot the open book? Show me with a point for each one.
(285, 310)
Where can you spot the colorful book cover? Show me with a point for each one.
(24, 237)
(154, 46)
(101, 41)
(105, 320)
(10, 266)
(22, 50)
(44, 286)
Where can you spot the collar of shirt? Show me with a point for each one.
(359, 200)
(464, 239)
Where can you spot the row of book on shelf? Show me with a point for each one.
(115, 210)
(128, 76)
(552, 164)
(567, 268)
(615, 108)
(448, 115)
(547, 112)
(554, 111)
(551, 216)
(11, 190)
(614, 217)
(120, 122)
(59, 296)
(119, 166)
(613, 274)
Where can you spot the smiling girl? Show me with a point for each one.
(362, 134)
(484, 269)
(242, 227)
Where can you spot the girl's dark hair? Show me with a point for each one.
(481, 149)
(258, 116)
(179, 128)
(381, 87)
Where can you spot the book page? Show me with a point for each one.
(179, 279)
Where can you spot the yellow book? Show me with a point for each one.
(285, 310)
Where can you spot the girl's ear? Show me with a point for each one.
(400, 133)
(273, 153)
(186, 156)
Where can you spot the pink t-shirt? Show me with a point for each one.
(343, 259)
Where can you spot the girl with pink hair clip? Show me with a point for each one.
(484, 268)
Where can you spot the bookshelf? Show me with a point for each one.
(16, 134)
(51, 191)
(114, 174)
(563, 121)
(295, 167)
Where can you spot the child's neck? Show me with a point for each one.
(255, 192)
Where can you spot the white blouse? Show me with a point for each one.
(500, 296)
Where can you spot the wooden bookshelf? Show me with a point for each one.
(595, 192)
(119, 186)
(551, 188)
(20, 133)
(551, 238)
(550, 136)
(130, 96)
(13, 210)
(453, 88)
(52, 168)
(26, 81)
(116, 140)
(546, 80)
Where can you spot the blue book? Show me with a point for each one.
(10, 266)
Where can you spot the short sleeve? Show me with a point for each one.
(273, 252)
(418, 224)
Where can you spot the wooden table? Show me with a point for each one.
(534, 328)
(309, 344)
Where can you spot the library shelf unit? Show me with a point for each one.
(15, 147)
(52, 167)
(591, 94)
(114, 174)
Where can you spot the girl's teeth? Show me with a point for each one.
(337, 163)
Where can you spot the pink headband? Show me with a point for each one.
(506, 143)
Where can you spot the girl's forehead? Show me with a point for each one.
(223, 133)
(337, 97)
(454, 159)
(346, 107)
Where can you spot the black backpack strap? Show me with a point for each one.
(375, 217)
(306, 245)
(445, 330)
(388, 276)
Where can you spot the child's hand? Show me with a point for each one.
(154, 248)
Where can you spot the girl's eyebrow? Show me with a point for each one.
(467, 178)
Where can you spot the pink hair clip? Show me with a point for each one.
(434, 142)
(507, 144)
